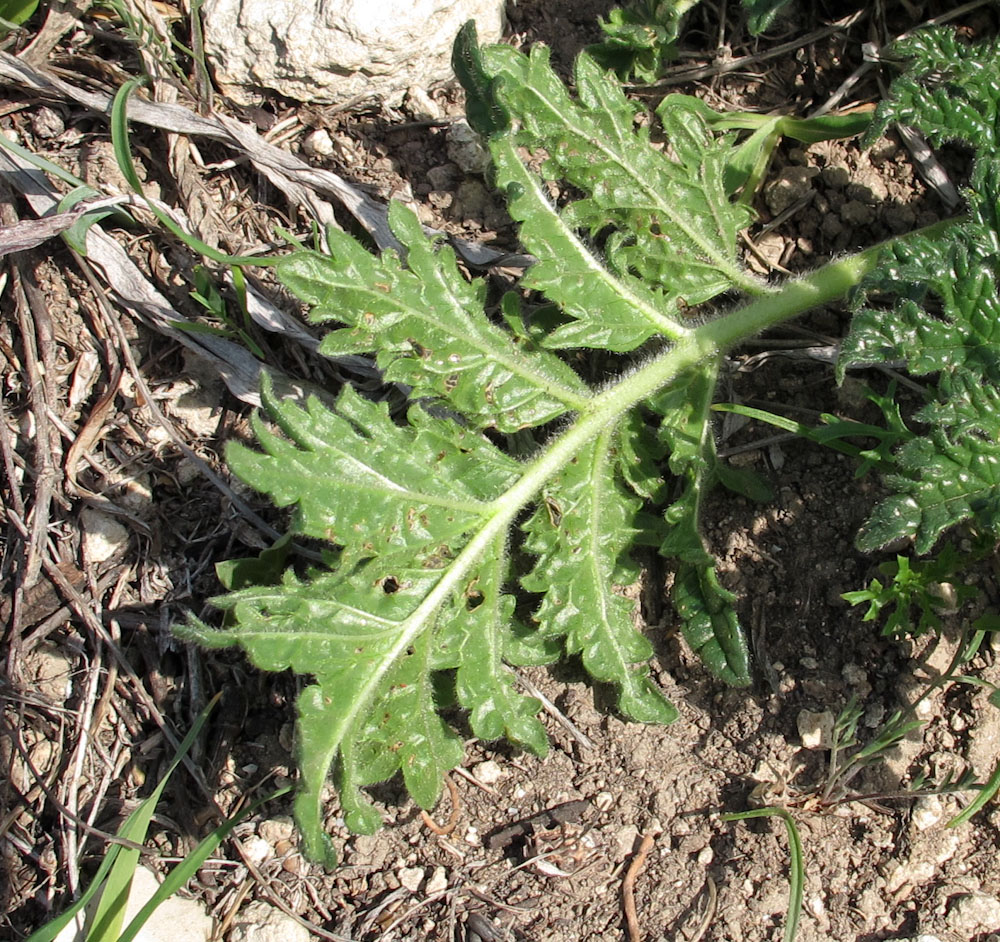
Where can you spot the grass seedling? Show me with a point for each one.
(796, 867)
(110, 885)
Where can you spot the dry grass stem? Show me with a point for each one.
(628, 886)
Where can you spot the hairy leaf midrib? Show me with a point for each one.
(479, 338)
(659, 320)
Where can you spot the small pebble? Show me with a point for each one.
(438, 881)
(927, 812)
(279, 828)
(318, 143)
(411, 878)
(47, 123)
(625, 841)
(258, 850)
(103, 536)
(815, 729)
(603, 801)
(421, 105)
(466, 149)
(489, 772)
(836, 177)
(972, 912)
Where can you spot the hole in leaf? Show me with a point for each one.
(390, 585)
(473, 600)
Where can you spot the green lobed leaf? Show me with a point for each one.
(426, 324)
(611, 311)
(367, 484)
(761, 13)
(706, 609)
(580, 533)
(945, 323)
(640, 38)
(477, 637)
(948, 89)
(359, 636)
(675, 227)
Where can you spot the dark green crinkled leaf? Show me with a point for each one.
(365, 483)
(761, 13)
(640, 38)
(934, 304)
(948, 90)
(675, 226)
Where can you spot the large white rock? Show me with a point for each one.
(330, 51)
(174, 920)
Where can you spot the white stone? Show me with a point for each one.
(103, 536)
(974, 911)
(438, 882)
(261, 922)
(909, 873)
(816, 729)
(411, 877)
(421, 105)
(489, 772)
(174, 920)
(257, 850)
(330, 51)
(625, 841)
(280, 828)
(927, 811)
(318, 143)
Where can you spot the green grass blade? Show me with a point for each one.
(51, 929)
(986, 793)
(796, 868)
(190, 865)
(123, 155)
(114, 876)
(110, 911)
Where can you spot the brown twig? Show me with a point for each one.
(710, 906)
(452, 817)
(37, 336)
(628, 886)
(683, 75)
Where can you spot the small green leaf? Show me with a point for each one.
(263, 569)
(761, 13)
(361, 481)
(708, 619)
(17, 11)
(640, 38)
(475, 638)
